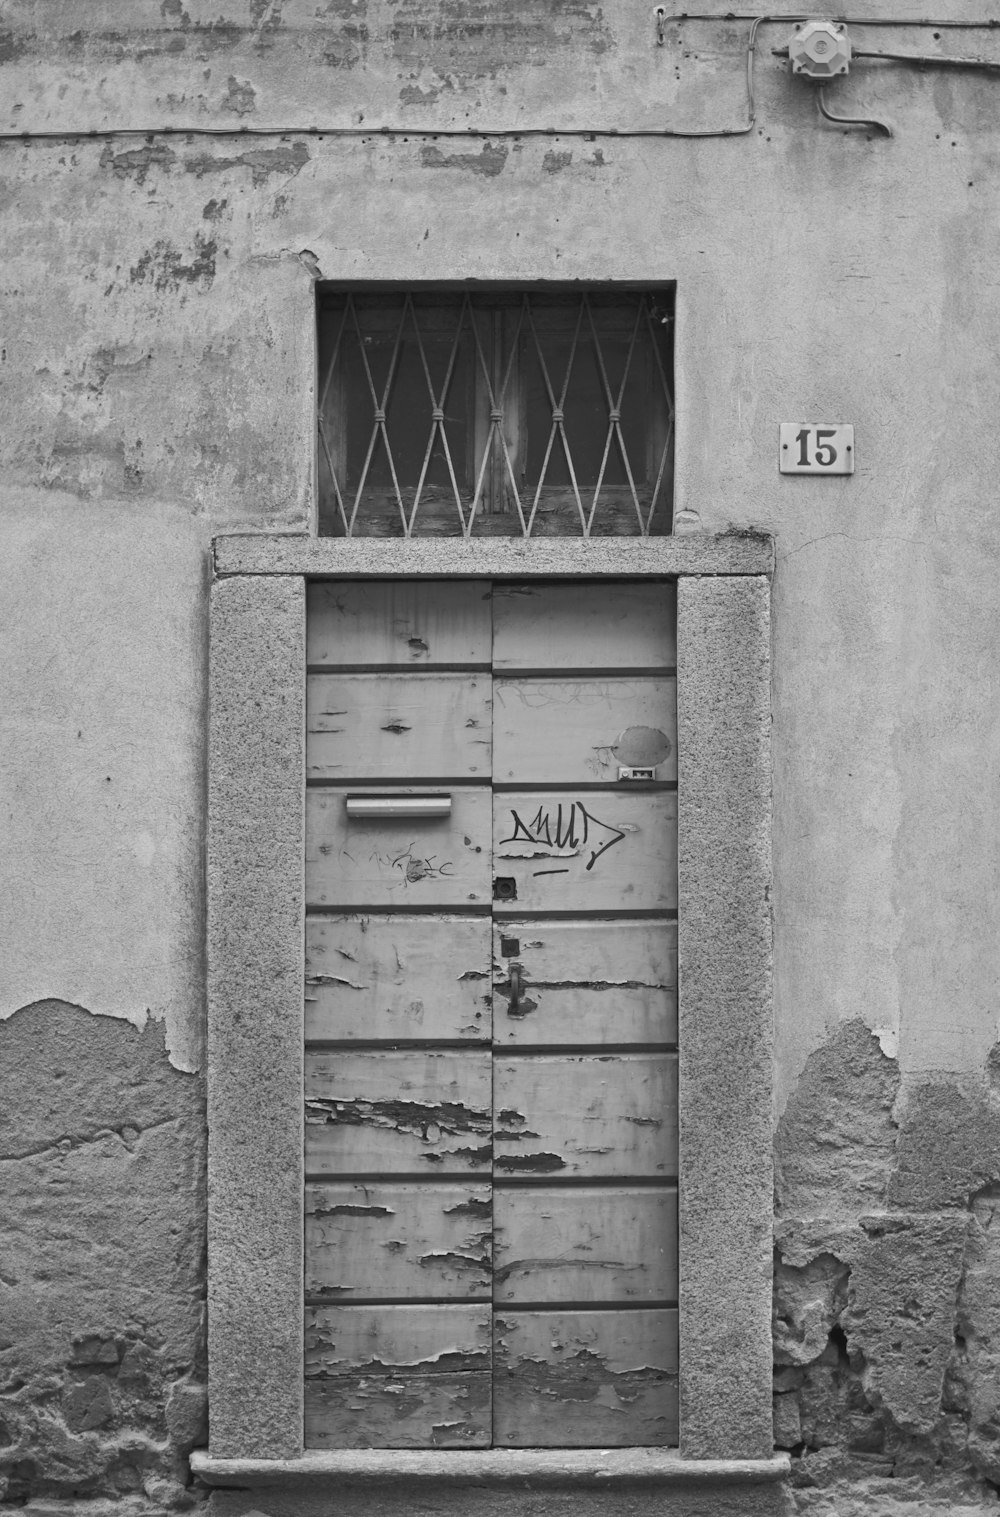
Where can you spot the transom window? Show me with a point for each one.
(514, 414)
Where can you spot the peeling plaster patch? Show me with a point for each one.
(136, 162)
(553, 162)
(73, 1076)
(262, 162)
(835, 1143)
(163, 266)
(888, 1041)
(490, 161)
(102, 1151)
(240, 96)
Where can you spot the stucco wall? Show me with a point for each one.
(157, 375)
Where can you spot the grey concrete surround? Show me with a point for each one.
(255, 955)
(726, 1184)
(255, 928)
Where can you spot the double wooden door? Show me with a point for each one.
(491, 1252)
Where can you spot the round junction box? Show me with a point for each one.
(820, 50)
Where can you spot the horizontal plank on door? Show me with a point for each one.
(585, 1243)
(398, 1376)
(397, 862)
(589, 625)
(385, 1241)
(607, 850)
(585, 1379)
(382, 1340)
(579, 731)
(405, 1113)
(414, 623)
(422, 978)
(394, 725)
(403, 1411)
(585, 982)
(586, 1116)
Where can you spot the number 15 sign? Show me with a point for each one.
(815, 447)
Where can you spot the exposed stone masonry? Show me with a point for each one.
(887, 1284)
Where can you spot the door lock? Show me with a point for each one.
(505, 888)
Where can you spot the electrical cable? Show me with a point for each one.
(424, 134)
(879, 126)
(588, 133)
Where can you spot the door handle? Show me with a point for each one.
(386, 807)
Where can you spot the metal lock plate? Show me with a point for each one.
(625, 773)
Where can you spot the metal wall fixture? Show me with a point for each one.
(820, 51)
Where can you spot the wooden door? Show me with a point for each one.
(491, 1250)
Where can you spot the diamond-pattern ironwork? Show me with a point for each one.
(521, 415)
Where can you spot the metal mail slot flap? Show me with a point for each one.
(374, 807)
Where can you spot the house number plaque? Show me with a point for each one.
(815, 447)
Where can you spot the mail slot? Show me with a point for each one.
(376, 807)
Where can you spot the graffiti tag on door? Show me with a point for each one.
(562, 831)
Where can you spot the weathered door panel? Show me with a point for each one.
(569, 732)
(600, 625)
(592, 850)
(413, 1113)
(398, 726)
(412, 623)
(423, 978)
(585, 1244)
(398, 1242)
(397, 862)
(573, 1104)
(585, 1379)
(398, 1376)
(585, 983)
(585, 1116)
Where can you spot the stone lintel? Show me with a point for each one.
(494, 558)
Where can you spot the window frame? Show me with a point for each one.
(255, 997)
(501, 354)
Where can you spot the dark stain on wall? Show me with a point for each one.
(262, 161)
(489, 161)
(166, 268)
(102, 1272)
(477, 38)
(135, 163)
(887, 1281)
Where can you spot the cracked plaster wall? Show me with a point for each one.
(157, 376)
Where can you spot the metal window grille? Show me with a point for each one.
(522, 414)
